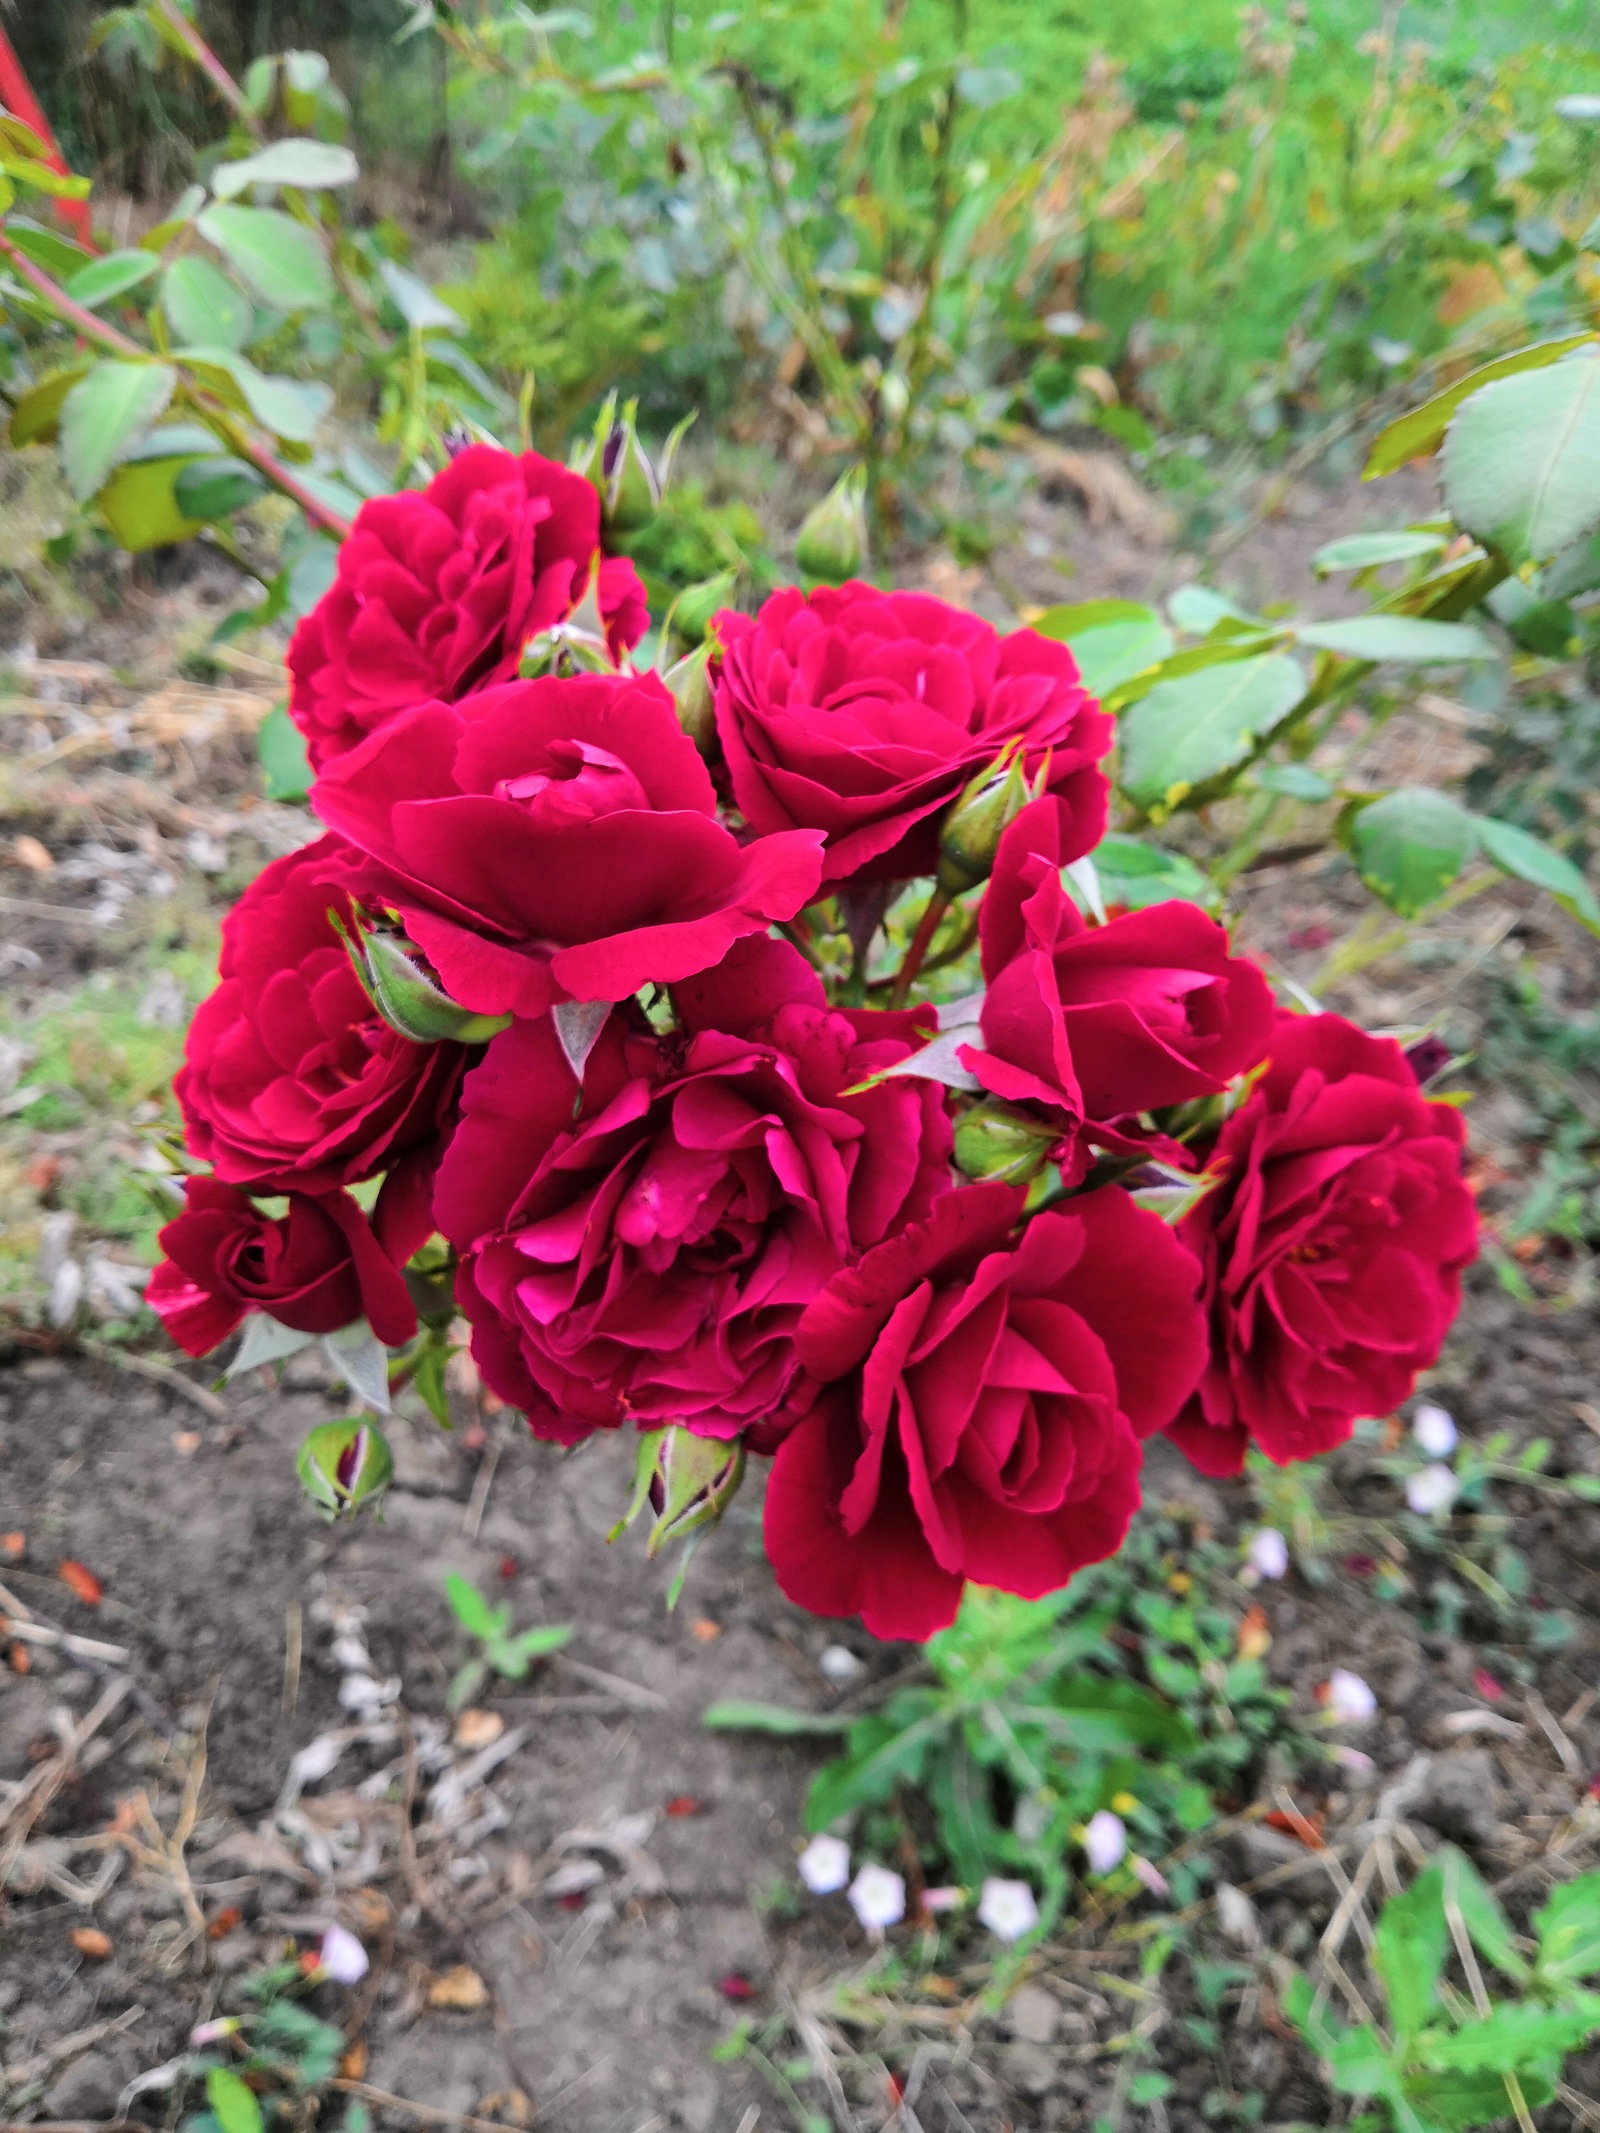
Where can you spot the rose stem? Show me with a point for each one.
(927, 927)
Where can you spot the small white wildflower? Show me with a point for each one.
(1105, 1842)
(343, 1956)
(825, 1865)
(878, 1898)
(1435, 1430)
(1007, 1908)
(1269, 1553)
(1431, 1490)
(1350, 1702)
(937, 1900)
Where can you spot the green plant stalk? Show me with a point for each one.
(937, 905)
(918, 359)
(1364, 948)
(210, 66)
(96, 331)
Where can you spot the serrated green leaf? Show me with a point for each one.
(1487, 1925)
(1400, 637)
(1409, 1949)
(308, 166)
(1517, 2034)
(1410, 846)
(276, 259)
(1568, 1926)
(115, 275)
(289, 407)
(47, 248)
(1522, 460)
(1365, 551)
(1418, 435)
(1455, 2099)
(1514, 851)
(203, 307)
(106, 414)
(215, 487)
(285, 765)
(1190, 729)
(1112, 640)
(1197, 609)
(1136, 875)
(736, 1715)
(1295, 781)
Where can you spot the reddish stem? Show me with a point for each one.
(96, 330)
(927, 927)
(210, 66)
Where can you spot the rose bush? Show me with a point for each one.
(984, 1396)
(862, 714)
(648, 1254)
(557, 839)
(318, 1268)
(292, 1080)
(1333, 1246)
(1099, 1023)
(439, 589)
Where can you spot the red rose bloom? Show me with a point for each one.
(864, 713)
(984, 1398)
(439, 589)
(650, 1253)
(1333, 1247)
(557, 840)
(292, 1080)
(1103, 1022)
(320, 1267)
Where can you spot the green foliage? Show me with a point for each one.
(1452, 2058)
(503, 1650)
(1125, 1692)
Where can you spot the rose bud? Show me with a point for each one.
(832, 543)
(695, 1480)
(410, 1002)
(690, 683)
(994, 1141)
(344, 1464)
(989, 805)
(692, 613)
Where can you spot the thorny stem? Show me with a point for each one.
(97, 332)
(937, 905)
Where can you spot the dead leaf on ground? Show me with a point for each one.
(513, 2107)
(476, 1729)
(459, 1990)
(13, 1546)
(93, 1945)
(704, 1630)
(30, 853)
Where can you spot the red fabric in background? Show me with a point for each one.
(16, 93)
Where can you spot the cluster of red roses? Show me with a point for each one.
(679, 1183)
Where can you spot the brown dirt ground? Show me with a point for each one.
(603, 2009)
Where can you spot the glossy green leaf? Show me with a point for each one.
(141, 506)
(308, 166)
(1196, 610)
(233, 2101)
(1111, 653)
(1568, 1926)
(36, 417)
(1514, 851)
(1522, 460)
(278, 261)
(289, 407)
(47, 248)
(1136, 875)
(1190, 729)
(737, 1715)
(1365, 551)
(1295, 781)
(106, 414)
(44, 177)
(203, 307)
(285, 765)
(214, 488)
(1418, 435)
(1410, 846)
(1576, 570)
(1400, 637)
(1477, 2099)
(103, 279)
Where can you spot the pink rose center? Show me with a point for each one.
(578, 783)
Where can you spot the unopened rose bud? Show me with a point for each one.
(697, 606)
(974, 826)
(993, 1141)
(344, 1464)
(630, 488)
(696, 1478)
(832, 545)
(689, 679)
(409, 1001)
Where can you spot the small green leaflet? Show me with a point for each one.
(285, 765)
(1514, 851)
(278, 260)
(1418, 434)
(203, 306)
(1410, 846)
(1399, 637)
(113, 276)
(1190, 729)
(736, 1715)
(106, 414)
(1365, 551)
(1522, 460)
(310, 166)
